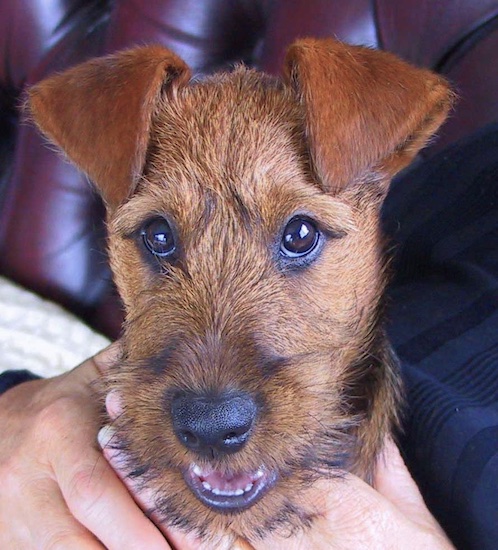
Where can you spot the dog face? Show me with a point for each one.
(244, 238)
(236, 269)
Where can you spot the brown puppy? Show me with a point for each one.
(244, 236)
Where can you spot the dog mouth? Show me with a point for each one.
(228, 492)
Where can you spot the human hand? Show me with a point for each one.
(57, 491)
(352, 514)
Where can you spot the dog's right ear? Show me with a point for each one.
(367, 112)
(99, 113)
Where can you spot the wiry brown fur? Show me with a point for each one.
(229, 161)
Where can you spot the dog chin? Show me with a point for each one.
(229, 493)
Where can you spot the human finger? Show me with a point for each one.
(100, 501)
(145, 497)
(393, 480)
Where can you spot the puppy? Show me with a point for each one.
(244, 237)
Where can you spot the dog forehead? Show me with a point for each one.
(230, 147)
(230, 150)
(228, 130)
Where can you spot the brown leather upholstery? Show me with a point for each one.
(51, 223)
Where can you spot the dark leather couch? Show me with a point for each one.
(52, 234)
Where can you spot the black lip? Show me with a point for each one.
(228, 504)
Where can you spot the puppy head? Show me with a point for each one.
(244, 238)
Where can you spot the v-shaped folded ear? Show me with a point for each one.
(99, 113)
(367, 112)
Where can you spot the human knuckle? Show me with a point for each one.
(375, 523)
(10, 477)
(381, 523)
(64, 540)
(86, 488)
(54, 417)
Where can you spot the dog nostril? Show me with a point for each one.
(189, 439)
(236, 439)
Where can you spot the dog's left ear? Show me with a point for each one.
(367, 112)
(99, 113)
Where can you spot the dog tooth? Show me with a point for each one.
(238, 492)
(216, 491)
(206, 486)
(259, 473)
(197, 470)
(248, 487)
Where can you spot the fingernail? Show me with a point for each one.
(105, 436)
(113, 404)
(108, 356)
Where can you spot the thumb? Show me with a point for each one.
(108, 357)
(94, 367)
(393, 480)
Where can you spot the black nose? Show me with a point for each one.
(210, 425)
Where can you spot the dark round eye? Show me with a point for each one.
(300, 238)
(158, 237)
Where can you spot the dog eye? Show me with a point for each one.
(158, 237)
(300, 237)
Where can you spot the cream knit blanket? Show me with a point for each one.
(40, 336)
